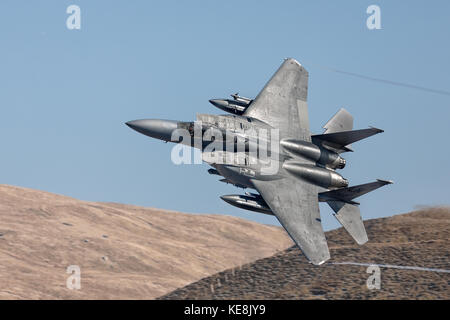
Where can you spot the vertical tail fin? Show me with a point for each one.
(339, 133)
(350, 218)
(346, 211)
(341, 121)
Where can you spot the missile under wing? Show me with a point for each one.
(283, 105)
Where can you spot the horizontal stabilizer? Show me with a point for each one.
(350, 193)
(350, 218)
(340, 140)
(341, 121)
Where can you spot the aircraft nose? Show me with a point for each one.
(219, 103)
(228, 198)
(155, 128)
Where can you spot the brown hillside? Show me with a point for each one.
(417, 239)
(124, 251)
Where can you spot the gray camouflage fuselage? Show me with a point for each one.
(241, 133)
(266, 145)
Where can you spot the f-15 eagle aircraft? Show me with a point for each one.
(302, 166)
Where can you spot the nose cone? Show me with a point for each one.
(220, 103)
(155, 128)
(229, 198)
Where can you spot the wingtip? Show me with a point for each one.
(386, 181)
(293, 60)
(377, 129)
(363, 240)
(318, 262)
(345, 110)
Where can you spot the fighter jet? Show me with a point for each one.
(291, 170)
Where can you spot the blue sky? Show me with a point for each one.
(65, 94)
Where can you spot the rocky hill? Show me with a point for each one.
(405, 245)
(123, 251)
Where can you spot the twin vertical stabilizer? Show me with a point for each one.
(338, 136)
(346, 211)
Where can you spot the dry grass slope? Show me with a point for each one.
(124, 251)
(420, 238)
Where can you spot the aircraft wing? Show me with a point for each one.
(282, 105)
(282, 102)
(295, 204)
